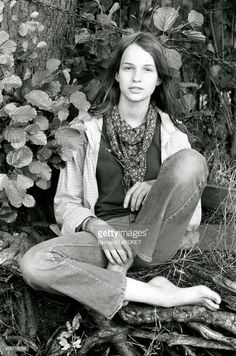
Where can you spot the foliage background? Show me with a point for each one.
(43, 96)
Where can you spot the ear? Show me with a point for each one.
(117, 77)
(159, 81)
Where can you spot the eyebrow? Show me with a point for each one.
(145, 65)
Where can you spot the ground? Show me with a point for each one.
(31, 321)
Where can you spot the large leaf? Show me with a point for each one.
(34, 15)
(15, 135)
(106, 20)
(42, 44)
(9, 108)
(7, 60)
(66, 73)
(24, 182)
(23, 114)
(44, 154)
(43, 183)
(2, 5)
(63, 114)
(42, 122)
(194, 35)
(52, 88)
(82, 36)
(12, 82)
(78, 99)
(52, 64)
(83, 116)
(14, 194)
(60, 103)
(40, 77)
(29, 27)
(40, 99)
(6, 46)
(23, 29)
(173, 58)
(114, 8)
(69, 138)
(4, 36)
(37, 136)
(41, 169)
(165, 17)
(3, 181)
(20, 158)
(188, 101)
(195, 18)
(215, 70)
(28, 201)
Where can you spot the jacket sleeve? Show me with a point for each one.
(68, 201)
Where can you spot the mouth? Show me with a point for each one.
(135, 89)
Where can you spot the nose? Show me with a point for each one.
(137, 76)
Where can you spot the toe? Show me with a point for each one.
(215, 297)
(208, 303)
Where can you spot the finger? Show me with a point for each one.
(123, 255)
(129, 194)
(109, 256)
(144, 199)
(140, 200)
(116, 257)
(134, 198)
(129, 251)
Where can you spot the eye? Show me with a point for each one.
(128, 68)
(148, 69)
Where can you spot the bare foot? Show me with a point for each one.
(175, 296)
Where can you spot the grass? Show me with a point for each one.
(222, 169)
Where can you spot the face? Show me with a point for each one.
(137, 75)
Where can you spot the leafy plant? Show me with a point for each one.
(69, 341)
(36, 133)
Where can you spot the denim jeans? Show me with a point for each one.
(75, 265)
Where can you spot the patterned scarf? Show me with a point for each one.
(130, 145)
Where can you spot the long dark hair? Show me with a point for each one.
(164, 96)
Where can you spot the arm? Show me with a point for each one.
(68, 201)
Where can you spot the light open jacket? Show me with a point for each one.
(77, 190)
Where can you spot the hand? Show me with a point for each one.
(114, 245)
(137, 194)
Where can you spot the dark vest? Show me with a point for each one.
(109, 175)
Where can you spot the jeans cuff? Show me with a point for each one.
(121, 298)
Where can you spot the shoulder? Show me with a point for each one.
(93, 122)
(166, 123)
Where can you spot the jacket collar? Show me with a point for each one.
(166, 122)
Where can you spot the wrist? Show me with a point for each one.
(95, 225)
(88, 222)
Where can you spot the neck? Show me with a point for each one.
(133, 113)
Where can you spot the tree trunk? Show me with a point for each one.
(57, 17)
